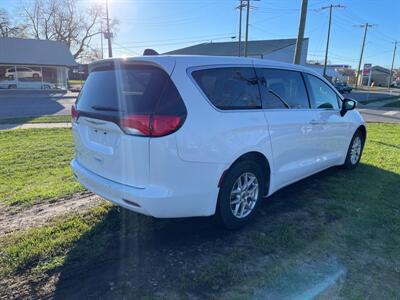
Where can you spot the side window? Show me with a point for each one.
(229, 88)
(322, 96)
(282, 89)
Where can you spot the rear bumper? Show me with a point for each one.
(156, 201)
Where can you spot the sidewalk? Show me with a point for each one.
(380, 114)
(34, 125)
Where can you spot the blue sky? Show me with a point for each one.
(170, 24)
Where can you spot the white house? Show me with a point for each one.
(34, 64)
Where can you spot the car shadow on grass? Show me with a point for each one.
(134, 256)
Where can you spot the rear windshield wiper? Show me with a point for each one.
(105, 108)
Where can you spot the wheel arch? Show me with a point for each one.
(363, 131)
(260, 159)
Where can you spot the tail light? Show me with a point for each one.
(151, 125)
(165, 117)
(74, 114)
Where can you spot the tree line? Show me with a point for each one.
(58, 20)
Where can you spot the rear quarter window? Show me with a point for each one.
(229, 88)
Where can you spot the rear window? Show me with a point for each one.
(129, 90)
(230, 88)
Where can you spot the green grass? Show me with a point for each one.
(345, 218)
(34, 165)
(76, 82)
(44, 248)
(42, 119)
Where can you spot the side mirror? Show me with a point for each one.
(348, 104)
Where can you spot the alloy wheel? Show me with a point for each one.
(355, 150)
(244, 195)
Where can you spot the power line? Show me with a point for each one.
(127, 49)
(177, 43)
(183, 40)
(269, 32)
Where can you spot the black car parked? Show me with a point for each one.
(342, 87)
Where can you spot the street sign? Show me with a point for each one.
(366, 69)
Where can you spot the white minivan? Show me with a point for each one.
(183, 136)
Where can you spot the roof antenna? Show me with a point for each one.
(149, 52)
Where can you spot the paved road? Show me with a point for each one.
(24, 104)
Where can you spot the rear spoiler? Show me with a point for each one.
(147, 52)
(160, 61)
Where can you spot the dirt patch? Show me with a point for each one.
(16, 218)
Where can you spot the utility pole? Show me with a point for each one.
(108, 32)
(300, 35)
(366, 25)
(240, 25)
(247, 28)
(391, 69)
(101, 39)
(329, 32)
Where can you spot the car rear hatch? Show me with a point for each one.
(120, 108)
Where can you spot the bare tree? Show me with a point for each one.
(7, 27)
(64, 20)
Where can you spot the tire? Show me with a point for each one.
(12, 86)
(10, 77)
(35, 75)
(248, 199)
(352, 158)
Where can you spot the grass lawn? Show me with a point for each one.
(39, 249)
(34, 165)
(42, 119)
(337, 224)
(76, 82)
